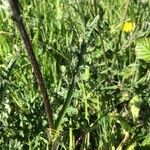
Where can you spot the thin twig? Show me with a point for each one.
(19, 23)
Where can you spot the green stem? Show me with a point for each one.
(71, 89)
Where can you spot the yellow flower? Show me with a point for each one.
(128, 26)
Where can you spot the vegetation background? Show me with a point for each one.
(109, 108)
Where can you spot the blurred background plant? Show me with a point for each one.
(110, 105)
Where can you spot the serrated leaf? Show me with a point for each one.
(142, 49)
(90, 28)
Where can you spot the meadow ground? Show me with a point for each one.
(94, 56)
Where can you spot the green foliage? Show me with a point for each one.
(146, 141)
(108, 106)
(143, 49)
(135, 104)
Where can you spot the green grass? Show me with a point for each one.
(98, 87)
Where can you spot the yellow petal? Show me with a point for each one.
(128, 26)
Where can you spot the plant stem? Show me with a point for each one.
(71, 88)
(25, 38)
